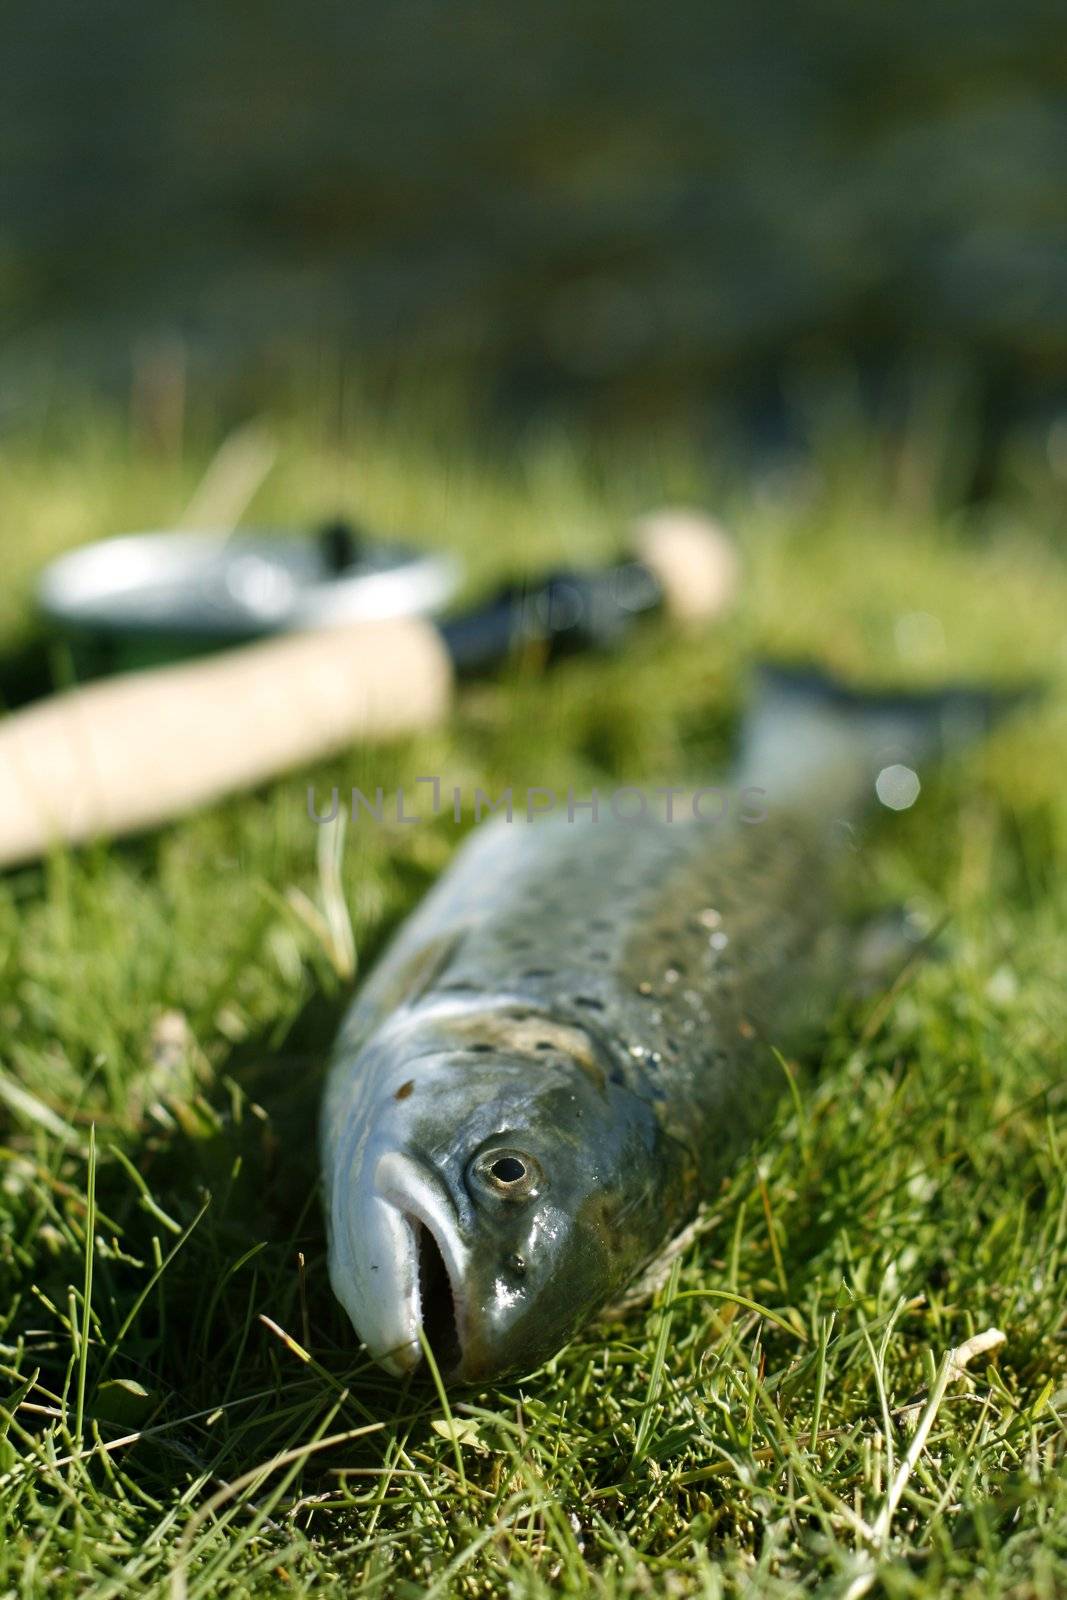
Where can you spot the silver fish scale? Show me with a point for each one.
(686, 951)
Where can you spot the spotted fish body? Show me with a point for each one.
(574, 1037)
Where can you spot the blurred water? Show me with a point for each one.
(619, 196)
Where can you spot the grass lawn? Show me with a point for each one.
(183, 1408)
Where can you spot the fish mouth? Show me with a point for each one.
(438, 1311)
(432, 1272)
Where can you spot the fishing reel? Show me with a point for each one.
(148, 598)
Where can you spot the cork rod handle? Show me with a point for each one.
(130, 752)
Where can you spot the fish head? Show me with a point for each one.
(489, 1202)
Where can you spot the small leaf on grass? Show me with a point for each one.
(1042, 1401)
(458, 1430)
(124, 1401)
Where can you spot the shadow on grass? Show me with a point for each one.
(29, 671)
(226, 1232)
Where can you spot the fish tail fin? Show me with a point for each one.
(809, 736)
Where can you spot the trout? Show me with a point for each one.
(580, 1030)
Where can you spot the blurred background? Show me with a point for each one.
(639, 212)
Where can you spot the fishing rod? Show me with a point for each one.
(127, 753)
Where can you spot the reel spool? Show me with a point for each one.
(144, 599)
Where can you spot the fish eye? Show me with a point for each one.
(507, 1174)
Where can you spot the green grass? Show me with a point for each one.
(182, 1407)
